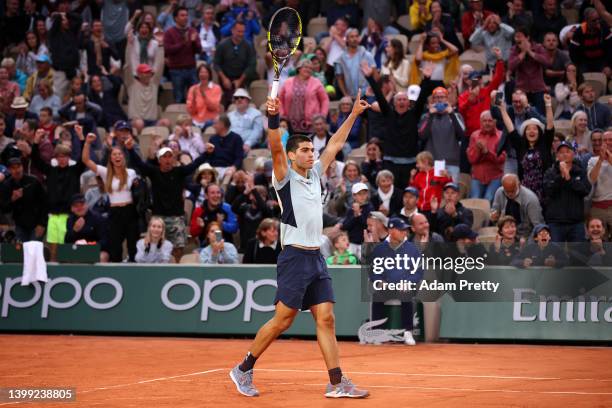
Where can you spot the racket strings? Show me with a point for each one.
(285, 33)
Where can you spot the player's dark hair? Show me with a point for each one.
(294, 142)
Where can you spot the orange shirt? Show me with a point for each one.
(204, 104)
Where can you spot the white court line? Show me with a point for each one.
(500, 377)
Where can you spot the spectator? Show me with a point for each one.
(213, 209)
(374, 42)
(377, 228)
(356, 217)
(14, 23)
(335, 44)
(188, 140)
(451, 212)
(591, 45)
(217, 251)
(596, 251)
(427, 182)
(419, 224)
(246, 121)
(420, 14)
(79, 108)
(181, 44)
(507, 244)
(493, 34)
(396, 66)
(234, 62)
(580, 135)
(228, 150)
(239, 11)
(303, 97)
(518, 201)
(76, 86)
(600, 176)
(8, 91)
(345, 107)
(104, 92)
(15, 75)
(466, 243)
(154, 247)
(441, 130)
(547, 19)
(99, 51)
(559, 60)
(64, 47)
(386, 199)
(24, 196)
(265, 247)
(599, 115)
(487, 166)
(342, 196)
(409, 201)
(43, 71)
(251, 207)
(348, 73)
(85, 225)
(341, 254)
(205, 175)
(45, 99)
(565, 186)
(143, 88)
(528, 61)
(115, 16)
(472, 18)
(517, 15)
(145, 46)
(210, 34)
(165, 19)
(532, 147)
(443, 23)
(542, 252)
(203, 99)
(5, 140)
(434, 50)
(25, 137)
(373, 162)
(321, 136)
(566, 92)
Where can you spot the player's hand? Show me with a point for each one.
(360, 105)
(273, 106)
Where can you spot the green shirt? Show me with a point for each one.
(342, 257)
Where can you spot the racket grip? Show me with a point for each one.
(274, 91)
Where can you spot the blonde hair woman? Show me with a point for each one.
(580, 135)
(154, 248)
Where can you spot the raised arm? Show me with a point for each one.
(337, 141)
(550, 117)
(85, 154)
(279, 157)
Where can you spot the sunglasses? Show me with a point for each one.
(237, 98)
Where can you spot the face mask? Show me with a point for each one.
(440, 106)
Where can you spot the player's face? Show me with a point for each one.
(303, 156)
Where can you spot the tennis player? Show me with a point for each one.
(302, 278)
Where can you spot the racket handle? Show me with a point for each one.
(274, 91)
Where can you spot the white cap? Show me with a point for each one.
(163, 151)
(357, 187)
(413, 92)
(242, 92)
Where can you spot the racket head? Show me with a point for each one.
(284, 35)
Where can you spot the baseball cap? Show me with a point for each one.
(43, 58)
(122, 125)
(144, 69)
(540, 227)
(377, 215)
(398, 223)
(413, 92)
(163, 151)
(412, 190)
(532, 121)
(566, 144)
(77, 198)
(452, 185)
(357, 187)
(242, 93)
(463, 231)
(14, 160)
(475, 75)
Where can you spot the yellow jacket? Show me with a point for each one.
(33, 80)
(418, 21)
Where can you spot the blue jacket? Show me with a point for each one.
(354, 226)
(229, 18)
(384, 250)
(228, 150)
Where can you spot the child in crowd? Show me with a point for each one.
(542, 252)
(341, 255)
(429, 185)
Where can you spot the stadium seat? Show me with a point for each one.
(334, 105)
(166, 97)
(487, 231)
(248, 164)
(403, 39)
(190, 259)
(150, 9)
(465, 180)
(605, 99)
(260, 153)
(563, 126)
(477, 64)
(404, 21)
(260, 43)
(259, 91)
(414, 44)
(317, 25)
(481, 209)
(156, 130)
(173, 111)
(357, 155)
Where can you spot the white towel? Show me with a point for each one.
(34, 265)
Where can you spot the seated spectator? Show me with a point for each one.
(421, 233)
(591, 45)
(517, 15)
(346, 104)
(559, 59)
(387, 198)
(75, 86)
(600, 176)
(565, 186)
(45, 99)
(43, 71)
(24, 196)
(580, 134)
(104, 92)
(8, 91)
(409, 201)
(86, 225)
(213, 209)
(596, 250)
(154, 247)
(441, 130)
(466, 243)
(217, 251)
(204, 98)
(228, 150)
(373, 162)
(341, 254)
(598, 114)
(188, 140)
(487, 166)
(29, 51)
(251, 208)
(265, 247)
(356, 217)
(566, 92)
(348, 72)
(442, 55)
(46, 123)
(542, 252)
(247, 122)
(15, 75)
(321, 136)
(425, 180)
(547, 19)
(507, 243)
(519, 202)
(377, 228)
(472, 18)
(342, 199)
(397, 67)
(451, 212)
(493, 34)
(443, 23)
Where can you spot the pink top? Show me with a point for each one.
(202, 109)
(316, 101)
(489, 166)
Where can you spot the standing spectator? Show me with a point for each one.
(541, 252)
(154, 247)
(240, 12)
(8, 91)
(228, 150)
(600, 176)
(64, 48)
(528, 61)
(265, 247)
(396, 66)
(435, 50)
(24, 196)
(13, 23)
(451, 212)
(181, 44)
(599, 115)
(580, 135)
(442, 131)
(348, 73)
(29, 51)
(302, 97)
(517, 15)
(443, 23)
(373, 162)
(591, 45)
(234, 62)
(507, 243)
(386, 199)
(356, 217)
(547, 19)
(104, 92)
(204, 98)
(217, 251)
(25, 138)
(79, 108)
(115, 16)
(341, 254)
(471, 19)
(99, 50)
(559, 60)
(565, 186)
(43, 71)
(213, 209)
(45, 99)
(87, 225)
(493, 34)
(165, 19)
(146, 46)
(516, 200)
(420, 14)
(566, 92)
(487, 166)
(372, 39)
(246, 121)
(427, 182)
(205, 175)
(210, 34)
(343, 8)
(335, 44)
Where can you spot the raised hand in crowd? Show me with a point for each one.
(91, 137)
(79, 224)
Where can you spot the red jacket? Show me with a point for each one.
(468, 24)
(429, 186)
(489, 166)
(471, 110)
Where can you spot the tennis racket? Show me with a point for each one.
(284, 36)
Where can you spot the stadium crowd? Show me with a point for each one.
(142, 126)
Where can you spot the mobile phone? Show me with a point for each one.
(218, 236)
(499, 97)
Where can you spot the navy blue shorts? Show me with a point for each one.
(302, 278)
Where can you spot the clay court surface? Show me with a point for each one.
(150, 372)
